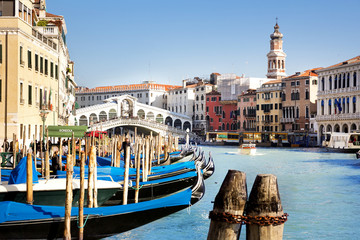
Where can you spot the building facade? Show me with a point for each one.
(338, 107)
(246, 111)
(221, 114)
(299, 100)
(30, 69)
(148, 93)
(199, 118)
(269, 106)
(181, 99)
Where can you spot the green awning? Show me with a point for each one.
(66, 131)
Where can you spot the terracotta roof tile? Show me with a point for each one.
(350, 61)
(143, 86)
(272, 82)
(310, 72)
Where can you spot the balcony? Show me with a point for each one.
(337, 117)
(287, 120)
(338, 91)
(48, 31)
(39, 33)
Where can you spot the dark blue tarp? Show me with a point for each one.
(14, 211)
(18, 174)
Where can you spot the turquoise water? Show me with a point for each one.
(319, 190)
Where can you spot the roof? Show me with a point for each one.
(213, 93)
(143, 86)
(350, 61)
(216, 74)
(273, 81)
(50, 15)
(310, 72)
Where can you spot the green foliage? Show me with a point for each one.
(42, 23)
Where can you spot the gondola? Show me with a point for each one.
(20, 221)
(49, 191)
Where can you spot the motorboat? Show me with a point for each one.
(248, 148)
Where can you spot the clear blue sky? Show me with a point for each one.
(128, 41)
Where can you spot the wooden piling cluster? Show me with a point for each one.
(147, 151)
(262, 212)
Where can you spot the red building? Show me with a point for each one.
(221, 115)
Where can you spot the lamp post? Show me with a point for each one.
(43, 115)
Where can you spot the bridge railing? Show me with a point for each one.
(138, 121)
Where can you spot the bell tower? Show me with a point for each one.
(276, 56)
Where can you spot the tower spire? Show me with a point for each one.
(276, 56)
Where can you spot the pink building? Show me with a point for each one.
(247, 111)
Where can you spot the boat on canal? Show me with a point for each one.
(342, 142)
(248, 148)
(19, 220)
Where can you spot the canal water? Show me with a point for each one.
(319, 190)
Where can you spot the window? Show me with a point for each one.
(21, 56)
(46, 67)
(21, 93)
(307, 95)
(292, 83)
(307, 82)
(307, 112)
(41, 65)
(36, 62)
(52, 69)
(297, 83)
(56, 72)
(276, 118)
(0, 89)
(30, 95)
(0, 52)
(314, 82)
(29, 59)
(276, 106)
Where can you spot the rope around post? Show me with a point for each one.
(240, 219)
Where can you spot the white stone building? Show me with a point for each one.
(148, 93)
(338, 107)
(181, 99)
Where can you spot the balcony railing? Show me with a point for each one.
(287, 120)
(339, 90)
(40, 35)
(337, 117)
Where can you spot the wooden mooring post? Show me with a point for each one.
(231, 199)
(264, 211)
(126, 174)
(82, 196)
(69, 196)
(29, 180)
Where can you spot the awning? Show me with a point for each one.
(67, 131)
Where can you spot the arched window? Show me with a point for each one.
(269, 64)
(197, 98)
(322, 107)
(279, 65)
(330, 83)
(335, 82)
(339, 83)
(354, 104)
(322, 84)
(344, 79)
(197, 117)
(202, 117)
(274, 64)
(202, 97)
(283, 64)
(348, 80)
(354, 79)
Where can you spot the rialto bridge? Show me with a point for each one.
(124, 111)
